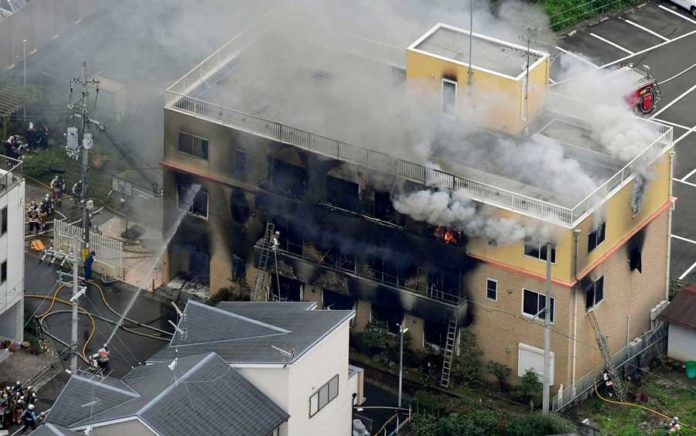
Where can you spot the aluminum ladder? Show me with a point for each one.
(448, 354)
(264, 255)
(617, 381)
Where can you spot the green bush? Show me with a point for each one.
(489, 422)
(565, 13)
(501, 372)
(529, 391)
(466, 368)
(43, 164)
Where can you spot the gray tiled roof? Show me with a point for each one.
(296, 327)
(52, 430)
(202, 395)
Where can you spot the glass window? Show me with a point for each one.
(594, 293)
(3, 272)
(314, 404)
(323, 396)
(3, 221)
(491, 289)
(533, 304)
(333, 388)
(449, 97)
(199, 204)
(596, 237)
(193, 145)
(538, 250)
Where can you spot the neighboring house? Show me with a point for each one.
(680, 313)
(242, 132)
(197, 395)
(11, 251)
(54, 430)
(296, 355)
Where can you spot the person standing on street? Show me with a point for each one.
(88, 265)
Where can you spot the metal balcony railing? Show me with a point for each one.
(11, 172)
(348, 265)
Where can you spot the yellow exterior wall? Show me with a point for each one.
(497, 100)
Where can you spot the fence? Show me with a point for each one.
(108, 252)
(586, 383)
(579, 12)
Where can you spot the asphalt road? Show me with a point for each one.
(662, 36)
(127, 349)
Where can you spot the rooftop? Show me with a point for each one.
(198, 395)
(52, 430)
(251, 332)
(352, 104)
(491, 54)
(682, 309)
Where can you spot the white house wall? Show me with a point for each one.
(681, 343)
(12, 251)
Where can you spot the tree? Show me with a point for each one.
(466, 368)
(501, 372)
(529, 391)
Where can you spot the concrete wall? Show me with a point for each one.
(39, 22)
(11, 251)
(681, 343)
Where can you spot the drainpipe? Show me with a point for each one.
(576, 236)
(669, 225)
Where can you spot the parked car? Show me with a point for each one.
(689, 5)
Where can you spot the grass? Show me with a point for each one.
(670, 393)
(566, 13)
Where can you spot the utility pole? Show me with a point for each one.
(470, 72)
(74, 150)
(527, 37)
(547, 332)
(402, 332)
(24, 77)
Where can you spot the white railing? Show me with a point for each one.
(108, 251)
(586, 383)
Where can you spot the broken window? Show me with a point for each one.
(449, 97)
(634, 259)
(240, 206)
(434, 333)
(285, 289)
(535, 248)
(596, 237)
(388, 317)
(534, 303)
(288, 179)
(594, 293)
(193, 145)
(198, 205)
(238, 268)
(342, 193)
(337, 301)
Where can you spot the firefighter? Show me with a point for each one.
(33, 218)
(29, 419)
(674, 425)
(103, 359)
(57, 189)
(88, 266)
(77, 193)
(30, 395)
(5, 411)
(20, 404)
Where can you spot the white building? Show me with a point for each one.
(681, 316)
(11, 250)
(294, 354)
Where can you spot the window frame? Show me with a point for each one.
(3, 221)
(593, 238)
(442, 96)
(592, 287)
(324, 389)
(536, 316)
(240, 162)
(490, 280)
(190, 211)
(539, 248)
(204, 151)
(3, 272)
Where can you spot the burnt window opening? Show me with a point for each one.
(449, 96)
(596, 237)
(434, 333)
(388, 317)
(336, 301)
(447, 236)
(443, 282)
(534, 303)
(291, 236)
(193, 265)
(537, 249)
(238, 268)
(594, 294)
(342, 193)
(635, 259)
(288, 179)
(385, 272)
(285, 289)
(198, 205)
(239, 206)
(193, 145)
(335, 258)
(492, 289)
(240, 162)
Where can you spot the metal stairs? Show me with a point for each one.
(617, 381)
(448, 354)
(261, 268)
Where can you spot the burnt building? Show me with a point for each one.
(266, 135)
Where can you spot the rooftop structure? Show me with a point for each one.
(193, 395)
(236, 87)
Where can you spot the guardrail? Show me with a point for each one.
(11, 172)
(586, 383)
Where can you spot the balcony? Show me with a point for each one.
(11, 173)
(419, 293)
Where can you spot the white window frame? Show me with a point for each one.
(595, 304)
(189, 211)
(442, 96)
(522, 347)
(538, 241)
(316, 396)
(193, 144)
(488, 279)
(536, 316)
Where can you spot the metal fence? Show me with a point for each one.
(586, 383)
(108, 251)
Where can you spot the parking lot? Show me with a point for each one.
(663, 36)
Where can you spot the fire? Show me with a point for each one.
(447, 235)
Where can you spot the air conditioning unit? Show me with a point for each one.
(635, 342)
(657, 310)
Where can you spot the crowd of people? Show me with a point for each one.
(18, 406)
(32, 140)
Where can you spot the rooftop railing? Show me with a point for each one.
(11, 172)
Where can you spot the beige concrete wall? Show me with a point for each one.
(313, 293)
(363, 312)
(415, 332)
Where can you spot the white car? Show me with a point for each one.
(689, 5)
